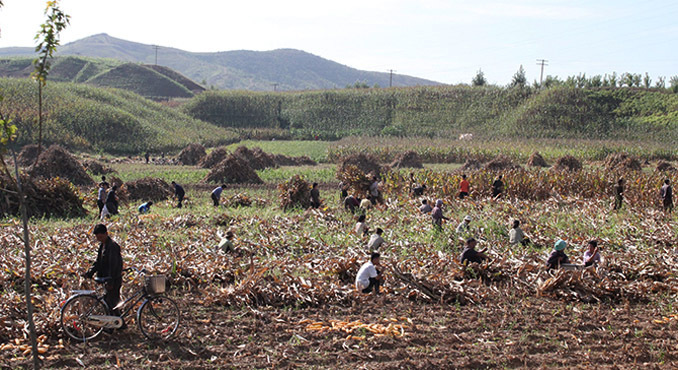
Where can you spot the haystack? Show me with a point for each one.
(217, 155)
(257, 158)
(192, 155)
(295, 193)
(147, 189)
(96, 167)
(27, 155)
(366, 163)
(409, 159)
(500, 163)
(664, 166)
(54, 197)
(622, 161)
(233, 170)
(57, 162)
(536, 160)
(472, 164)
(283, 160)
(567, 163)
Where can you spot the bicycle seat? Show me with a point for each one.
(102, 280)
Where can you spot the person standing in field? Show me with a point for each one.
(464, 187)
(619, 194)
(112, 201)
(108, 266)
(179, 193)
(315, 196)
(470, 254)
(146, 207)
(101, 196)
(437, 215)
(369, 277)
(216, 195)
(376, 240)
(147, 157)
(667, 196)
(497, 188)
(375, 195)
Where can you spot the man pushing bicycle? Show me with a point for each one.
(108, 267)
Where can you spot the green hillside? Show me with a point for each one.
(145, 80)
(110, 120)
(447, 111)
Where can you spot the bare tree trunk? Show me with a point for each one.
(27, 277)
(39, 120)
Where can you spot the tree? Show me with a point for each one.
(551, 81)
(48, 40)
(519, 79)
(673, 82)
(661, 82)
(647, 81)
(479, 79)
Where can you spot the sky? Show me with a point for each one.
(446, 41)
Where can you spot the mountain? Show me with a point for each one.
(287, 69)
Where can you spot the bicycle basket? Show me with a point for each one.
(155, 284)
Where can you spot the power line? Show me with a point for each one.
(542, 62)
(156, 47)
(390, 77)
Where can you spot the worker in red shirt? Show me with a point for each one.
(464, 187)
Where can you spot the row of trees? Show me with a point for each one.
(582, 81)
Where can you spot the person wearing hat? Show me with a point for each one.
(470, 254)
(226, 245)
(216, 195)
(558, 256)
(437, 214)
(464, 226)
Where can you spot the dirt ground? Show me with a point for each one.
(511, 333)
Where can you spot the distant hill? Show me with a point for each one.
(288, 69)
(146, 80)
(89, 118)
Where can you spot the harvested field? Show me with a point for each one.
(96, 167)
(147, 189)
(622, 162)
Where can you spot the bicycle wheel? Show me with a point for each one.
(74, 314)
(158, 318)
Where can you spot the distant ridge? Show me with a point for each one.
(287, 69)
(146, 80)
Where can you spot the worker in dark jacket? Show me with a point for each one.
(108, 265)
(315, 196)
(112, 201)
(179, 193)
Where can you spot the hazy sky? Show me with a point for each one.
(446, 41)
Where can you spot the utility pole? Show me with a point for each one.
(156, 47)
(275, 86)
(390, 78)
(542, 63)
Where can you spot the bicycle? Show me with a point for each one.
(85, 314)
